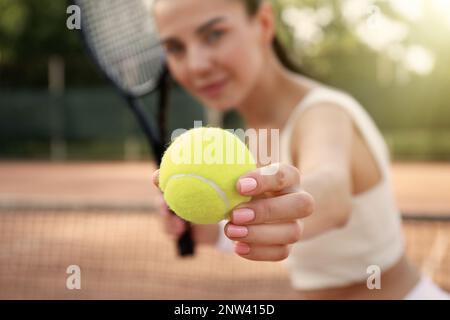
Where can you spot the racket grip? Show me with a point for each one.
(185, 243)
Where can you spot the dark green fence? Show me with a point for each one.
(86, 123)
(95, 124)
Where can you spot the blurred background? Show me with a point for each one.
(393, 56)
(75, 169)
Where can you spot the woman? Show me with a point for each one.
(224, 53)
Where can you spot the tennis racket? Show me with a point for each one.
(121, 38)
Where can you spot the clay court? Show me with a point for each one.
(101, 217)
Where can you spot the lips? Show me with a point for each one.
(213, 89)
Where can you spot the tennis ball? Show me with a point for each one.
(199, 172)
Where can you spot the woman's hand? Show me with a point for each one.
(265, 226)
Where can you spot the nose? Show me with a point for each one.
(199, 60)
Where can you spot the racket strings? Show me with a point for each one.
(111, 36)
(122, 36)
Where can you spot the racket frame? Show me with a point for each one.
(156, 140)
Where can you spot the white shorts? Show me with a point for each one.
(426, 289)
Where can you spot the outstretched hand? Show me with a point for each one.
(265, 226)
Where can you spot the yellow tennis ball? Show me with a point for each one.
(199, 172)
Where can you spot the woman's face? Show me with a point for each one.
(214, 49)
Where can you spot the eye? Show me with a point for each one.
(174, 49)
(214, 36)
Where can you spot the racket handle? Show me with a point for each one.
(185, 242)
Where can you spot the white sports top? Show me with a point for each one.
(373, 235)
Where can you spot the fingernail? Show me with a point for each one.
(236, 231)
(243, 215)
(247, 184)
(242, 248)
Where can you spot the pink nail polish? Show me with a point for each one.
(236, 231)
(247, 184)
(243, 215)
(242, 248)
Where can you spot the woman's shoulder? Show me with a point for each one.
(322, 100)
(325, 94)
(333, 111)
(317, 92)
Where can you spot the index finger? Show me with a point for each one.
(285, 179)
(284, 208)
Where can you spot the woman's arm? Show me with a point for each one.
(322, 144)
